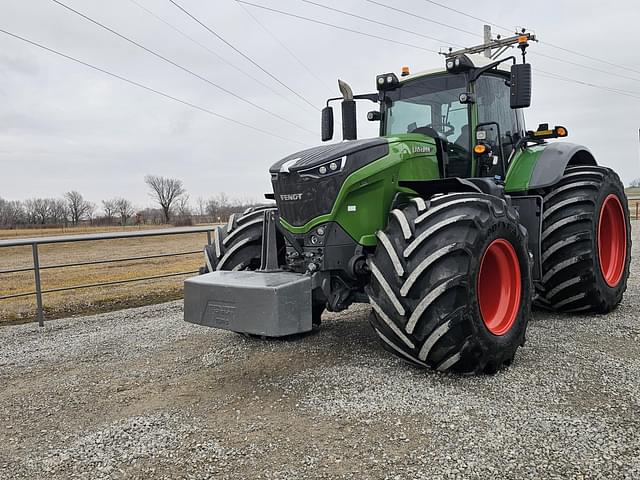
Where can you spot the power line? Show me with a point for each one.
(511, 30)
(219, 57)
(327, 7)
(244, 55)
(470, 16)
(412, 14)
(150, 89)
(335, 26)
(568, 62)
(568, 79)
(283, 45)
(505, 29)
(191, 72)
(588, 84)
(450, 26)
(617, 65)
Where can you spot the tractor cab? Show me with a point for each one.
(471, 109)
(456, 113)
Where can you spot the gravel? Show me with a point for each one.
(141, 394)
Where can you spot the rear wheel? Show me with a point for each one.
(586, 242)
(450, 283)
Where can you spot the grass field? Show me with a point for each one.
(98, 299)
(6, 234)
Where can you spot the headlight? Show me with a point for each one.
(329, 168)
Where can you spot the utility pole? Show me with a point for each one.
(487, 40)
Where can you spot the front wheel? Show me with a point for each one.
(237, 246)
(450, 283)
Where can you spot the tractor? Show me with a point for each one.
(451, 223)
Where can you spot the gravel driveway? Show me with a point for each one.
(141, 394)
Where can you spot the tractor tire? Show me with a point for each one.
(451, 284)
(586, 242)
(237, 246)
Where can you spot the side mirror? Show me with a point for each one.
(327, 124)
(521, 85)
(349, 121)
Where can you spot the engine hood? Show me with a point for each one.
(312, 157)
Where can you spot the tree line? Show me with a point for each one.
(172, 205)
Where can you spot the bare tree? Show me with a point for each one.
(124, 209)
(11, 212)
(202, 206)
(164, 191)
(78, 206)
(182, 206)
(37, 210)
(635, 183)
(110, 208)
(58, 211)
(90, 211)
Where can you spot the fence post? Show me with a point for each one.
(36, 274)
(637, 205)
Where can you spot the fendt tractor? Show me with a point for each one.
(450, 224)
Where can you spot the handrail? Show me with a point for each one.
(35, 241)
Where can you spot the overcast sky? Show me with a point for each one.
(64, 126)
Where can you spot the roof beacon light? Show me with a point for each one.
(405, 71)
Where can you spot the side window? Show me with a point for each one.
(494, 106)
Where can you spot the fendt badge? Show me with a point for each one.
(291, 196)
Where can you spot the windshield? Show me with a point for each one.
(430, 106)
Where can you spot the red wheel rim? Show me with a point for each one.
(612, 240)
(499, 286)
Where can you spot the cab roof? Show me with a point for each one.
(477, 60)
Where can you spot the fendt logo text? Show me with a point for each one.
(291, 196)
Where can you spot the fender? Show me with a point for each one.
(543, 165)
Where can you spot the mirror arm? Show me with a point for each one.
(372, 97)
(479, 71)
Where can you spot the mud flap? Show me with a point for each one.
(273, 304)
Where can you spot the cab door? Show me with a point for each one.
(502, 125)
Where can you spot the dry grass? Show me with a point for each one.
(90, 300)
(6, 234)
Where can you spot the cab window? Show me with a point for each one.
(493, 104)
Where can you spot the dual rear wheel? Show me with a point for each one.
(586, 242)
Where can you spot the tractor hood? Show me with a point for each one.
(316, 156)
(307, 183)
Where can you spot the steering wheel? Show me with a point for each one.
(457, 149)
(445, 128)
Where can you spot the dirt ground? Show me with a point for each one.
(141, 394)
(93, 300)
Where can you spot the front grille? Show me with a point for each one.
(317, 196)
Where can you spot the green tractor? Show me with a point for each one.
(450, 224)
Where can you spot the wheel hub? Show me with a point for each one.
(499, 286)
(612, 240)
